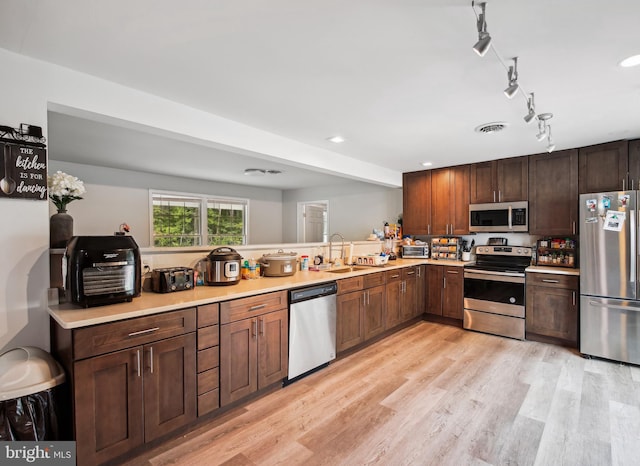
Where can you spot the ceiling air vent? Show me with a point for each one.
(494, 127)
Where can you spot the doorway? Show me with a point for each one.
(313, 222)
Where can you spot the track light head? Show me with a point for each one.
(484, 38)
(550, 145)
(512, 75)
(531, 110)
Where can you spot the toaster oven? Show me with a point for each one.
(418, 252)
(102, 270)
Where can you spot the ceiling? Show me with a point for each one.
(396, 78)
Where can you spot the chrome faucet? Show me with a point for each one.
(331, 247)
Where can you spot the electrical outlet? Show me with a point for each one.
(53, 296)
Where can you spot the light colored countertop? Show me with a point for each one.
(71, 316)
(552, 270)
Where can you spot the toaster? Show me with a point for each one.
(172, 279)
(418, 252)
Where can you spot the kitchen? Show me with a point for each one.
(25, 243)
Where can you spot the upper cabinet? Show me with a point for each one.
(553, 193)
(416, 203)
(501, 180)
(605, 167)
(450, 201)
(634, 163)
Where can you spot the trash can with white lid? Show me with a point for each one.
(28, 376)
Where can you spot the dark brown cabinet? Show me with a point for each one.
(401, 296)
(254, 342)
(604, 167)
(416, 202)
(501, 180)
(553, 193)
(421, 289)
(360, 309)
(450, 201)
(208, 358)
(445, 291)
(133, 381)
(552, 308)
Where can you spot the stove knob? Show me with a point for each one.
(519, 251)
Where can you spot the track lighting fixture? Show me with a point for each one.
(484, 38)
(512, 74)
(542, 131)
(481, 48)
(550, 144)
(531, 109)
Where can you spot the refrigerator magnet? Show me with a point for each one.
(591, 204)
(623, 200)
(606, 202)
(614, 220)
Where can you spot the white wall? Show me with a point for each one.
(28, 88)
(354, 209)
(120, 196)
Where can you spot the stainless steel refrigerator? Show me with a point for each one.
(609, 278)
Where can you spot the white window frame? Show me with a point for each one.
(204, 201)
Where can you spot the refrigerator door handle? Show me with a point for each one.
(634, 239)
(609, 305)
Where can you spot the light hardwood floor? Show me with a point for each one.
(433, 394)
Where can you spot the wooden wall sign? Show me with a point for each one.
(23, 171)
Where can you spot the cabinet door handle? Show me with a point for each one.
(429, 229)
(547, 280)
(455, 272)
(151, 359)
(444, 282)
(419, 274)
(257, 306)
(142, 332)
(254, 326)
(573, 297)
(138, 362)
(395, 276)
(411, 272)
(261, 326)
(494, 196)
(499, 196)
(574, 227)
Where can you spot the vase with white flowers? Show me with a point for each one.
(63, 189)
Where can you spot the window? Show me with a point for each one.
(196, 220)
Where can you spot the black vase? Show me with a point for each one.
(60, 229)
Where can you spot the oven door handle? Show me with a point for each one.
(495, 276)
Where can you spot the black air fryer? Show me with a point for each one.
(102, 269)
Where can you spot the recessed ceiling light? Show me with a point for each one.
(630, 61)
(426, 164)
(336, 139)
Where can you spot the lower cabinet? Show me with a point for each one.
(552, 307)
(360, 310)
(445, 285)
(254, 342)
(141, 389)
(208, 358)
(401, 299)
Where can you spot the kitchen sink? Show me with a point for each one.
(347, 269)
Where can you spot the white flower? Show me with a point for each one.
(64, 188)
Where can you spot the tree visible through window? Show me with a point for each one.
(178, 220)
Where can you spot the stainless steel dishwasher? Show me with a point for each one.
(312, 328)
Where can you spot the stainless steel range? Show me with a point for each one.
(494, 290)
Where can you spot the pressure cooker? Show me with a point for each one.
(223, 267)
(280, 264)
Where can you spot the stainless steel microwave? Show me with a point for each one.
(500, 217)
